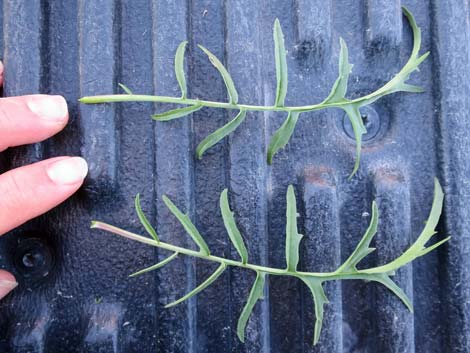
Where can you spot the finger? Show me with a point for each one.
(1, 73)
(7, 283)
(29, 119)
(30, 191)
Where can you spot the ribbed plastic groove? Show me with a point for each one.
(384, 20)
(97, 55)
(248, 189)
(173, 177)
(394, 323)
(322, 253)
(23, 59)
(453, 80)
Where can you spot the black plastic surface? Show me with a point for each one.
(75, 294)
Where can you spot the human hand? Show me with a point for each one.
(32, 190)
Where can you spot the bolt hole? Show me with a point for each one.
(31, 260)
(370, 119)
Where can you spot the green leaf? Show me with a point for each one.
(282, 135)
(231, 226)
(125, 88)
(434, 215)
(320, 299)
(433, 246)
(405, 87)
(219, 134)
(416, 31)
(359, 129)
(156, 266)
(398, 84)
(293, 238)
(143, 219)
(387, 282)
(179, 68)
(188, 226)
(281, 64)
(338, 92)
(362, 249)
(419, 246)
(201, 287)
(256, 293)
(176, 113)
(232, 92)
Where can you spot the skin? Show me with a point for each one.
(32, 190)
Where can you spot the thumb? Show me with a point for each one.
(7, 283)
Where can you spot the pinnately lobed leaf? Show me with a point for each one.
(156, 266)
(202, 286)
(231, 227)
(362, 249)
(355, 118)
(419, 248)
(338, 91)
(219, 134)
(313, 280)
(281, 64)
(256, 294)
(335, 99)
(293, 237)
(176, 113)
(232, 92)
(179, 69)
(188, 226)
(319, 299)
(385, 279)
(143, 219)
(282, 135)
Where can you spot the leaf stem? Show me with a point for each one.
(116, 98)
(323, 276)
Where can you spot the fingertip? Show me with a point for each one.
(7, 283)
(50, 109)
(68, 171)
(32, 190)
(30, 119)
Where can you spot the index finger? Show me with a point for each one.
(30, 119)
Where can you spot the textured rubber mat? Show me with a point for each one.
(75, 294)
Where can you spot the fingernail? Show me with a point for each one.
(68, 171)
(52, 108)
(6, 287)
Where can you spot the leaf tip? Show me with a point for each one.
(203, 48)
(437, 186)
(94, 224)
(224, 193)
